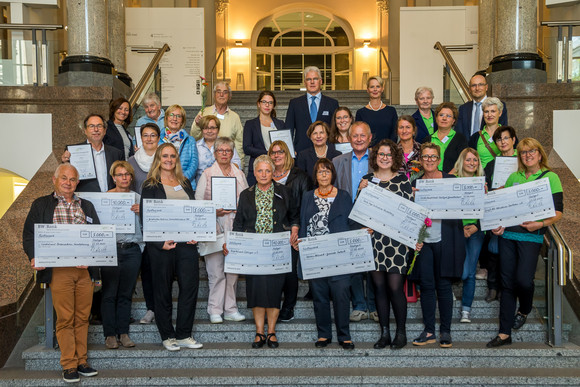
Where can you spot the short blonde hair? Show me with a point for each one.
(380, 80)
(122, 164)
(170, 109)
(288, 159)
(263, 159)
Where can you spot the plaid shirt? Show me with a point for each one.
(68, 213)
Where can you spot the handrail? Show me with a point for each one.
(48, 27)
(390, 74)
(147, 74)
(564, 52)
(211, 77)
(454, 69)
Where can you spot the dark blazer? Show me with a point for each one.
(343, 166)
(285, 210)
(298, 183)
(113, 138)
(337, 217)
(307, 158)
(463, 124)
(42, 211)
(422, 131)
(457, 144)
(298, 118)
(254, 143)
(112, 154)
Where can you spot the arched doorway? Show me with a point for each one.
(284, 44)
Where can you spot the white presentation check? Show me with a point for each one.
(521, 203)
(69, 245)
(113, 208)
(460, 198)
(502, 169)
(178, 220)
(389, 214)
(258, 254)
(336, 254)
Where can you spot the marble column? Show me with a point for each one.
(117, 47)
(486, 35)
(515, 51)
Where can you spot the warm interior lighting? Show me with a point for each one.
(238, 43)
(366, 43)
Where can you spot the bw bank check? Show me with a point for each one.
(258, 254)
(460, 198)
(521, 203)
(389, 214)
(69, 245)
(336, 254)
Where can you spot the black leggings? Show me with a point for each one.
(389, 291)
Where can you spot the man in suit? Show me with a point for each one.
(350, 168)
(470, 118)
(305, 110)
(103, 155)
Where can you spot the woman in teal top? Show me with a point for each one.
(519, 245)
(482, 140)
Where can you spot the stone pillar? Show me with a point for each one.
(515, 51)
(486, 35)
(117, 46)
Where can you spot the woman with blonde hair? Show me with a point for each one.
(381, 118)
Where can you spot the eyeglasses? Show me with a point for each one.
(323, 172)
(530, 152)
(503, 139)
(173, 115)
(152, 135)
(222, 92)
(224, 151)
(264, 102)
(443, 115)
(312, 79)
(99, 126)
(122, 175)
(384, 155)
(277, 153)
(429, 157)
(475, 85)
(211, 128)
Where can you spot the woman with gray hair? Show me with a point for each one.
(482, 140)
(154, 114)
(222, 286)
(381, 118)
(424, 116)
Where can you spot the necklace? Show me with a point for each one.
(280, 175)
(321, 155)
(325, 194)
(226, 172)
(377, 109)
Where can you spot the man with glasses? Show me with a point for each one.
(304, 110)
(230, 124)
(470, 119)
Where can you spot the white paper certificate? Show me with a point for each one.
(113, 208)
(283, 135)
(178, 220)
(138, 140)
(69, 245)
(521, 203)
(81, 157)
(343, 148)
(258, 254)
(460, 198)
(336, 254)
(503, 168)
(389, 214)
(224, 192)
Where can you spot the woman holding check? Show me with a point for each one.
(265, 208)
(519, 245)
(171, 259)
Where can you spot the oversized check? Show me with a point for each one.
(460, 198)
(81, 157)
(178, 220)
(336, 254)
(258, 254)
(521, 203)
(502, 169)
(69, 245)
(113, 208)
(389, 214)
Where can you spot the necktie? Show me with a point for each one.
(476, 118)
(313, 109)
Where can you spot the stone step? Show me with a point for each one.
(304, 355)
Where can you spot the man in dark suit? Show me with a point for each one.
(305, 110)
(470, 118)
(103, 155)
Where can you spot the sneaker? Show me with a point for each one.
(215, 319)
(71, 375)
(423, 339)
(148, 318)
(358, 315)
(234, 317)
(189, 342)
(465, 317)
(126, 341)
(374, 315)
(286, 315)
(171, 345)
(111, 342)
(86, 370)
(481, 274)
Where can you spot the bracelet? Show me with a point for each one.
(543, 224)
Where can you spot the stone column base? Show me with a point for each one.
(517, 68)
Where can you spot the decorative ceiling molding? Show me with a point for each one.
(221, 5)
(383, 6)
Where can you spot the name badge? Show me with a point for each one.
(490, 140)
(410, 154)
(89, 219)
(177, 188)
(325, 113)
(445, 139)
(330, 200)
(277, 195)
(432, 125)
(220, 116)
(376, 180)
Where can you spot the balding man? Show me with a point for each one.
(72, 287)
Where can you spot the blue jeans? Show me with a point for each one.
(357, 288)
(473, 246)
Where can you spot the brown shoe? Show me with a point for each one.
(126, 341)
(111, 342)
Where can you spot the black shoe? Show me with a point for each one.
(308, 296)
(272, 344)
(384, 340)
(498, 342)
(346, 345)
(400, 341)
(492, 295)
(286, 315)
(445, 341)
(423, 339)
(519, 321)
(260, 343)
(71, 376)
(322, 343)
(86, 370)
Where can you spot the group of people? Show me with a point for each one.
(308, 193)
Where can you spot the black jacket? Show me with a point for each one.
(254, 143)
(457, 144)
(298, 183)
(307, 158)
(42, 211)
(113, 138)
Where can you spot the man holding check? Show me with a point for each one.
(72, 287)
